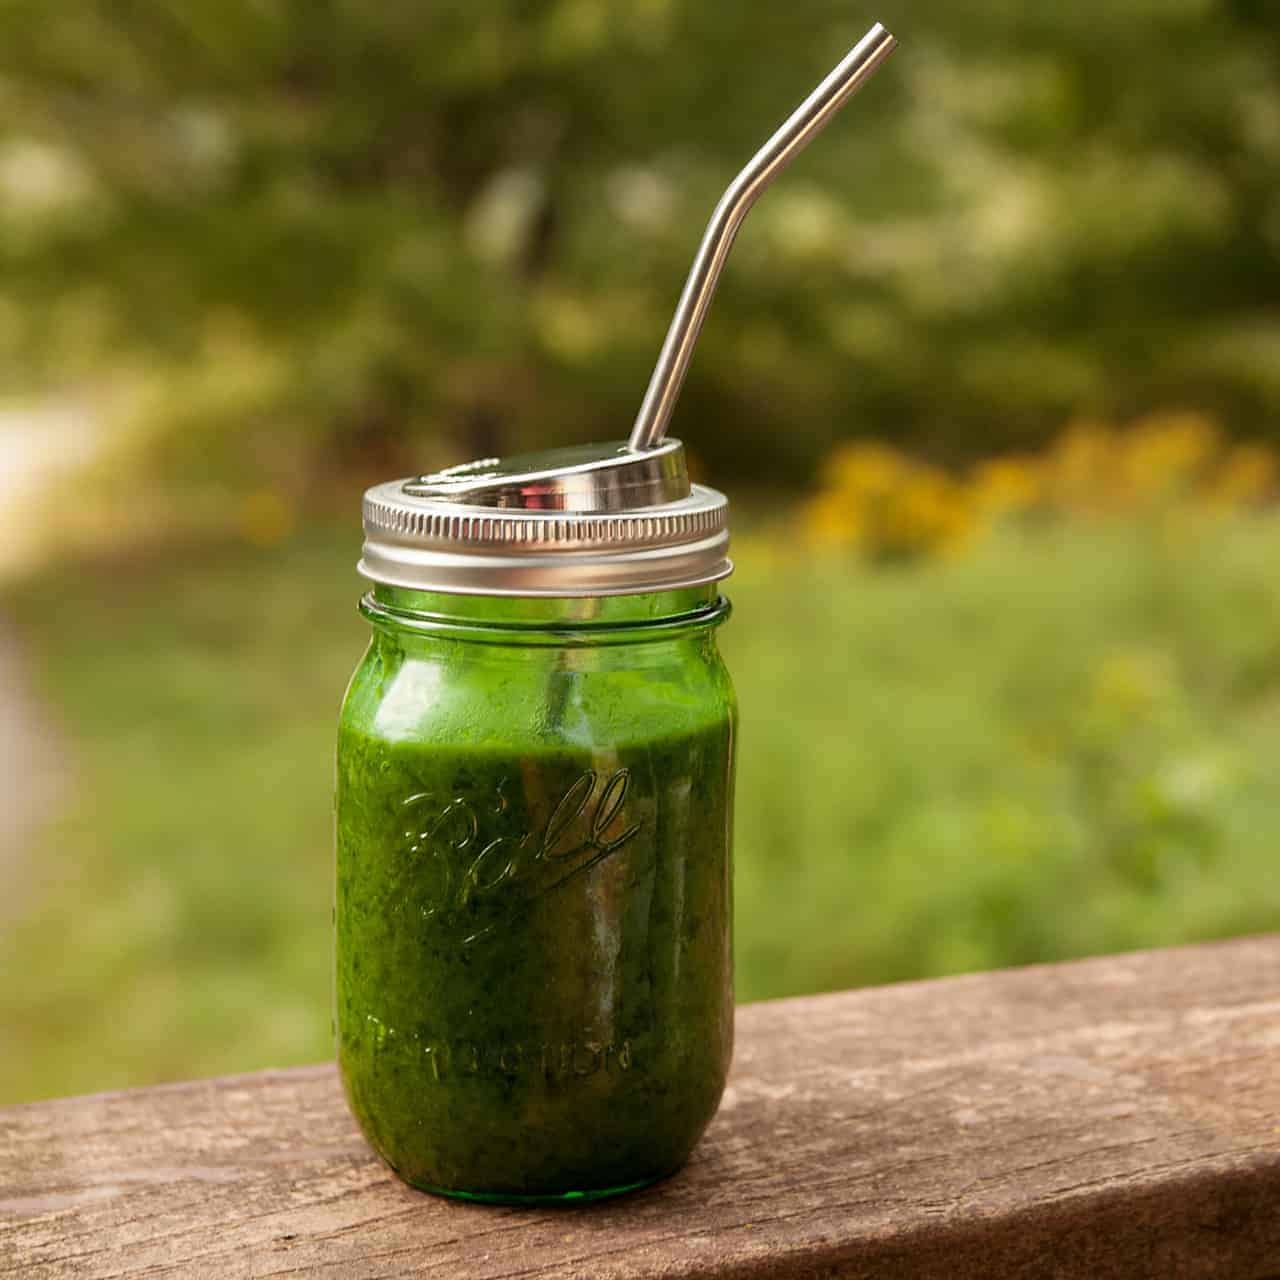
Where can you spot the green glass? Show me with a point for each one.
(534, 986)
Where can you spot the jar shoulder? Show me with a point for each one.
(527, 697)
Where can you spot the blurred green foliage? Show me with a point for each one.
(1058, 744)
(308, 232)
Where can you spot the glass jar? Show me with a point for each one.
(534, 985)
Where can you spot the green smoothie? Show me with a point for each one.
(534, 970)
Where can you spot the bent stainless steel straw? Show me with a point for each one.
(799, 129)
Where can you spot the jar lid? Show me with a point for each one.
(592, 520)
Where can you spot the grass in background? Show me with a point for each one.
(1058, 745)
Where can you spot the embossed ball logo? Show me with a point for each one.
(478, 875)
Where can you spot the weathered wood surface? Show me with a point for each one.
(1111, 1118)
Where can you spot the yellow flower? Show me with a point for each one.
(1002, 485)
(885, 503)
(1163, 454)
(930, 512)
(1245, 476)
(865, 468)
(1082, 467)
(832, 519)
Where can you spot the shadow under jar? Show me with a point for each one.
(534, 809)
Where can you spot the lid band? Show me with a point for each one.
(432, 545)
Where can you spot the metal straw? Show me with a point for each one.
(800, 128)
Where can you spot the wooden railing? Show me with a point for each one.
(1108, 1118)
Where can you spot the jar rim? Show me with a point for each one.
(654, 616)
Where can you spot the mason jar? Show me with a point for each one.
(534, 990)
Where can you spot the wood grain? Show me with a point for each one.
(1109, 1118)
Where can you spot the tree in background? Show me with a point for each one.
(305, 233)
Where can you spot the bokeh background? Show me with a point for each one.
(993, 379)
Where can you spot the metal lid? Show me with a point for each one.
(589, 477)
(591, 521)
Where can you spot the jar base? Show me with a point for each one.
(565, 1199)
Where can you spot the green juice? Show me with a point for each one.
(534, 968)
